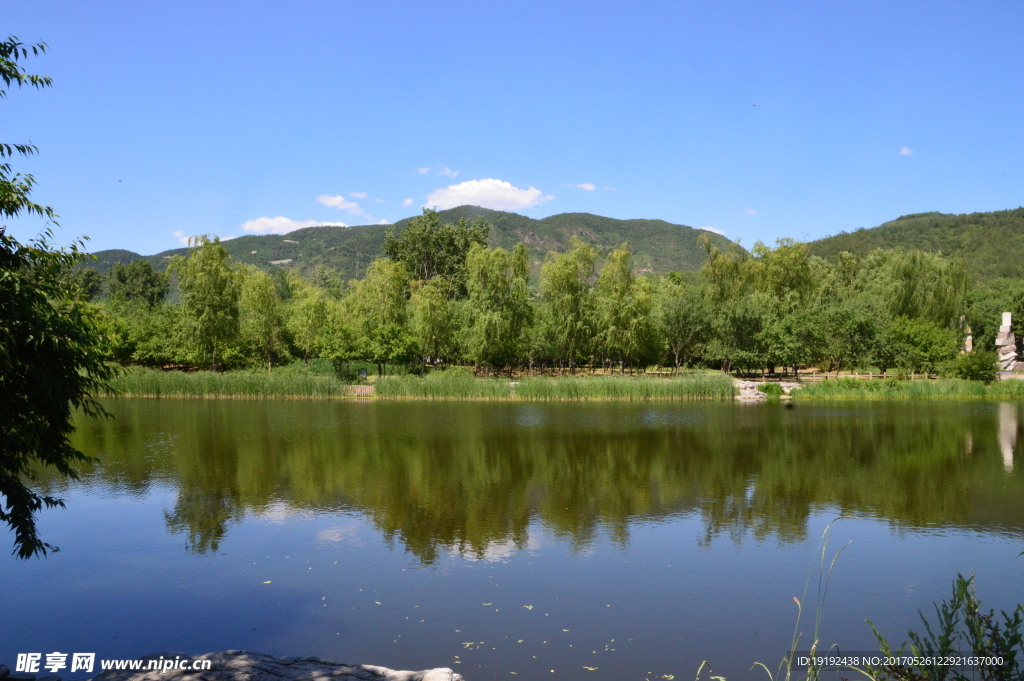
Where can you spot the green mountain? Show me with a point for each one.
(991, 243)
(658, 246)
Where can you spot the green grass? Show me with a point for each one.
(248, 384)
(461, 385)
(891, 388)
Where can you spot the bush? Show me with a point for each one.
(772, 390)
(962, 628)
(973, 366)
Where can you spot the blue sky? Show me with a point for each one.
(761, 120)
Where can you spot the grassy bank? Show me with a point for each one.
(890, 388)
(457, 385)
(141, 382)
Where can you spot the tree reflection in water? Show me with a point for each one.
(472, 477)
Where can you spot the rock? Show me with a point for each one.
(441, 674)
(1006, 345)
(749, 392)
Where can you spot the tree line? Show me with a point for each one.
(441, 297)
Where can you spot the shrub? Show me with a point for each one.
(974, 366)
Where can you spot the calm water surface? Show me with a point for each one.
(495, 538)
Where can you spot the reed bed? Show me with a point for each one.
(254, 384)
(891, 388)
(457, 385)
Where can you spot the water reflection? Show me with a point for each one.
(470, 478)
(1007, 433)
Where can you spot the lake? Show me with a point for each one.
(518, 540)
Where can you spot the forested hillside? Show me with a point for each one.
(991, 243)
(658, 246)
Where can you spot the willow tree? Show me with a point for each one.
(379, 306)
(307, 320)
(436, 321)
(565, 286)
(499, 305)
(51, 351)
(210, 290)
(260, 314)
(627, 333)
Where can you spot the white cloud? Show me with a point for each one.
(488, 193)
(283, 225)
(407, 202)
(906, 151)
(712, 229)
(340, 203)
(586, 185)
(380, 200)
(422, 171)
(358, 195)
(180, 235)
(749, 211)
(382, 221)
(610, 189)
(445, 170)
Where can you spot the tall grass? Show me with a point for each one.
(891, 388)
(452, 384)
(459, 385)
(255, 384)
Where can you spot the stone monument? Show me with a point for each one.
(968, 345)
(1006, 345)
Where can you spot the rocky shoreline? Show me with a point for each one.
(241, 665)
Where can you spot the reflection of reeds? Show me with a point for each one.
(891, 388)
(462, 386)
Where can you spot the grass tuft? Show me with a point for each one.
(460, 385)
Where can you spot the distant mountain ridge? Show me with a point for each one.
(657, 246)
(992, 243)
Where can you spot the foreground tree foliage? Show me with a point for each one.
(51, 354)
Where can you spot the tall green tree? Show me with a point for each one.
(52, 359)
(261, 314)
(728, 274)
(499, 305)
(685, 320)
(210, 290)
(565, 285)
(379, 307)
(307, 320)
(927, 286)
(627, 333)
(137, 282)
(430, 249)
(339, 343)
(436, 322)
